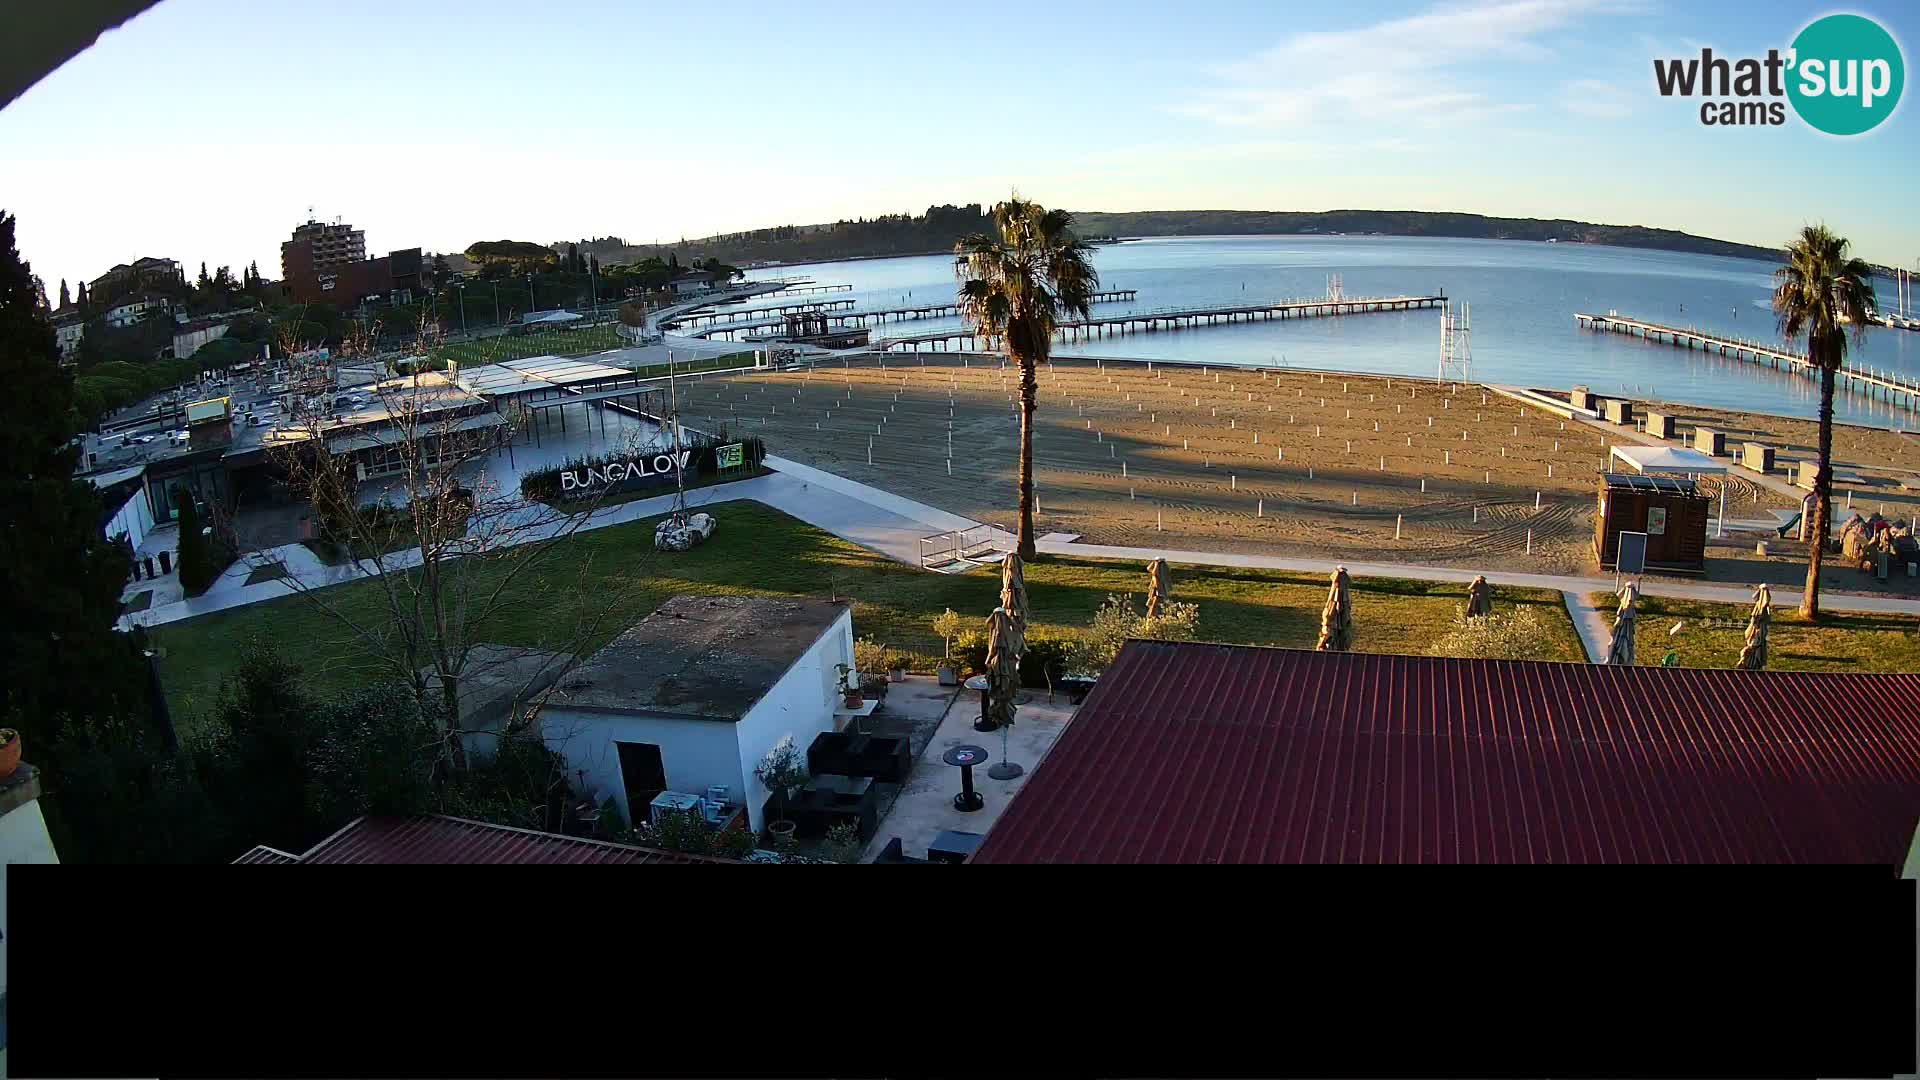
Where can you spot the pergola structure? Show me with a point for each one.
(1651, 460)
(538, 383)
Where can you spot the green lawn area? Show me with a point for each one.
(761, 551)
(1715, 633)
(593, 339)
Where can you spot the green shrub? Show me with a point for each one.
(1117, 620)
(196, 550)
(1048, 655)
(1512, 634)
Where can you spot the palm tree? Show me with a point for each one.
(1016, 287)
(1821, 288)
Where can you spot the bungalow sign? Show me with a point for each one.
(623, 475)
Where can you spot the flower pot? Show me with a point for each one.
(9, 752)
(782, 829)
(853, 699)
(898, 674)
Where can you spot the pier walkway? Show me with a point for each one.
(1888, 386)
(1174, 319)
(844, 318)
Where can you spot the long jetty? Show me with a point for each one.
(1889, 386)
(734, 314)
(844, 318)
(1173, 319)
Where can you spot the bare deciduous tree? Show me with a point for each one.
(402, 493)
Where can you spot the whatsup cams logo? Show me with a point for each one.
(1842, 75)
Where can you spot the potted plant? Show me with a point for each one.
(780, 771)
(947, 624)
(852, 698)
(9, 752)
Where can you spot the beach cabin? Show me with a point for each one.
(1657, 493)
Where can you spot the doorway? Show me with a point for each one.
(643, 775)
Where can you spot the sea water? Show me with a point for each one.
(1523, 296)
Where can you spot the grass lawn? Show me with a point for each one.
(492, 350)
(761, 551)
(1715, 633)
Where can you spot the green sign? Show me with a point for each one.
(731, 456)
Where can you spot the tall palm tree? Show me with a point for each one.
(1016, 287)
(1819, 290)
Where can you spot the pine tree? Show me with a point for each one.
(63, 666)
(66, 300)
(82, 301)
(204, 279)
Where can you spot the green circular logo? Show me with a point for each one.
(1846, 74)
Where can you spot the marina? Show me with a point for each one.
(1176, 319)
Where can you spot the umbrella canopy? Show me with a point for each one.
(1620, 650)
(1013, 588)
(1005, 643)
(1479, 598)
(1336, 619)
(1753, 657)
(1159, 587)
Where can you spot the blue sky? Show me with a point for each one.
(205, 128)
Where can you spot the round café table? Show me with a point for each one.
(979, 683)
(966, 756)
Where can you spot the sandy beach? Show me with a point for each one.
(1235, 459)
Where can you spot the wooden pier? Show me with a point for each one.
(1888, 386)
(734, 314)
(844, 319)
(1173, 319)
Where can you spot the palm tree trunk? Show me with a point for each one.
(1822, 495)
(1029, 399)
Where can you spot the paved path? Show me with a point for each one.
(1711, 593)
(1595, 629)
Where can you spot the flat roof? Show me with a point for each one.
(1668, 459)
(1196, 753)
(1636, 482)
(705, 657)
(535, 373)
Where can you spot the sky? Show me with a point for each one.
(203, 130)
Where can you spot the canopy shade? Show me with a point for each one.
(1667, 459)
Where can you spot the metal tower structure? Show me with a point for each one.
(1336, 291)
(1456, 345)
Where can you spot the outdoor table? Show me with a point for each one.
(966, 756)
(985, 723)
(850, 786)
(953, 846)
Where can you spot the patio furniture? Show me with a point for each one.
(953, 846)
(825, 801)
(966, 756)
(979, 683)
(844, 753)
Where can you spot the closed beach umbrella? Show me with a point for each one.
(1336, 619)
(1753, 657)
(1479, 597)
(1013, 588)
(1620, 651)
(1159, 587)
(1005, 642)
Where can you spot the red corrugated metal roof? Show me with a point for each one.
(264, 855)
(439, 839)
(1196, 753)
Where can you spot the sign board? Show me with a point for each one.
(1656, 521)
(731, 456)
(1633, 553)
(623, 475)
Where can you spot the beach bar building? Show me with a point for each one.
(1657, 494)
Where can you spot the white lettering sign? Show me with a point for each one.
(619, 472)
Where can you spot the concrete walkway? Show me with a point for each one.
(1596, 632)
(1564, 583)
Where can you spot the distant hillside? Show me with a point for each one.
(1403, 223)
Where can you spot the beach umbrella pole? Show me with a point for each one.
(1005, 768)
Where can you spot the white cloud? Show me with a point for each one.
(1596, 98)
(1408, 69)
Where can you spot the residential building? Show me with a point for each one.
(1195, 753)
(317, 246)
(132, 309)
(692, 697)
(437, 839)
(69, 326)
(127, 277)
